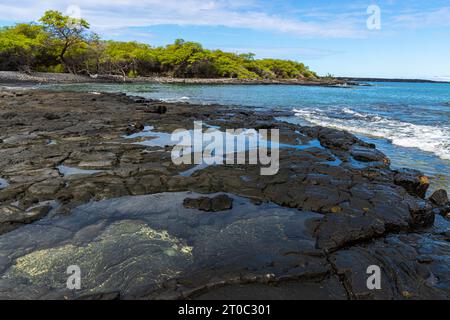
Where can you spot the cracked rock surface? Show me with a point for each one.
(88, 180)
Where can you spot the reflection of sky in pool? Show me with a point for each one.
(3, 184)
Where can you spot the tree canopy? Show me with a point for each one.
(65, 31)
(63, 44)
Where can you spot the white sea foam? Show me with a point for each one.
(358, 114)
(424, 137)
(175, 100)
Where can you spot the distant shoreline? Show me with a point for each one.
(389, 80)
(16, 77)
(9, 77)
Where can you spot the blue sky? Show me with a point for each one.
(329, 36)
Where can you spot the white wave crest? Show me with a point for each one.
(175, 100)
(424, 137)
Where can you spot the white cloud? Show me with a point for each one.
(336, 22)
(296, 53)
(114, 14)
(420, 19)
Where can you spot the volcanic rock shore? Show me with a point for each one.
(87, 179)
(10, 77)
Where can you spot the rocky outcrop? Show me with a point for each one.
(439, 198)
(216, 204)
(134, 128)
(422, 215)
(334, 202)
(411, 268)
(12, 217)
(413, 181)
(108, 296)
(366, 154)
(159, 109)
(167, 251)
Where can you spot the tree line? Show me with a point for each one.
(58, 43)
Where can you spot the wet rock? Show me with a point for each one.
(178, 183)
(413, 181)
(445, 211)
(137, 99)
(51, 116)
(402, 275)
(152, 247)
(95, 160)
(265, 125)
(215, 204)
(365, 154)
(12, 217)
(45, 190)
(101, 296)
(9, 115)
(6, 94)
(331, 238)
(423, 215)
(159, 109)
(439, 198)
(338, 140)
(140, 126)
(96, 164)
(334, 208)
(323, 289)
(246, 113)
(147, 184)
(441, 227)
(335, 139)
(425, 259)
(135, 128)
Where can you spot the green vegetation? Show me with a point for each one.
(64, 31)
(62, 44)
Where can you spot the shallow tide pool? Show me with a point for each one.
(409, 122)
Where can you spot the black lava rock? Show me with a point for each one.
(439, 198)
(216, 204)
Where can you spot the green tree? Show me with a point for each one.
(24, 47)
(66, 31)
(61, 43)
(247, 56)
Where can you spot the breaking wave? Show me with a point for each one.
(424, 137)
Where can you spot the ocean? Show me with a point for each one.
(409, 122)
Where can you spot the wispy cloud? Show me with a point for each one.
(249, 14)
(296, 53)
(337, 20)
(439, 17)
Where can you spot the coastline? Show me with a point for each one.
(85, 165)
(66, 78)
(204, 152)
(11, 77)
(368, 79)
